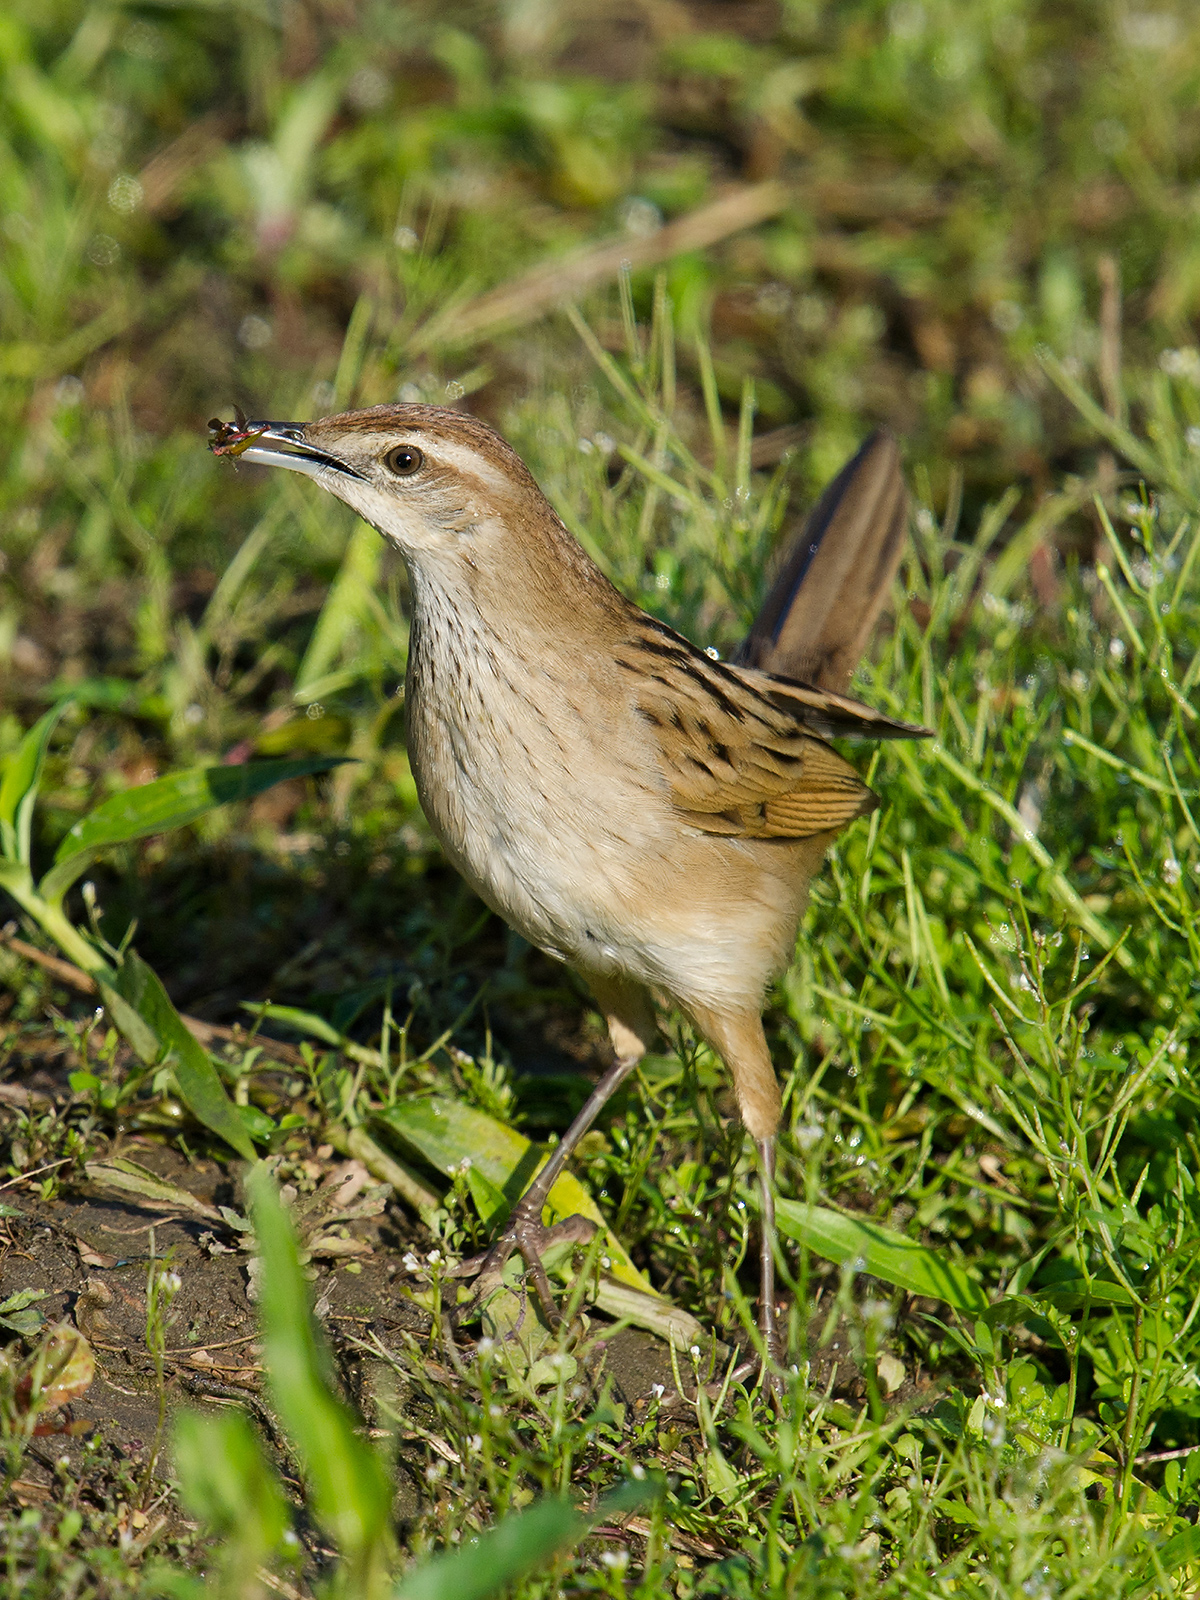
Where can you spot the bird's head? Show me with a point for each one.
(441, 486)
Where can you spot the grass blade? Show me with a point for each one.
(347, 603)
(226, 1481)
(347, 1483)
(514, 1547)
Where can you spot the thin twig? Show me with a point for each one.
(1152, 1456)
(187, 1350)
(24, 1177)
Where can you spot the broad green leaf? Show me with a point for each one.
(349, 1488)
(167, 803)
(517, 1544)
(721, 1479)
(18, 790)
(18, 1313)
(200, 1087)
(1069, 1294)
(447, 1132)
(133, 1029)
(21, 1299)
(880, 1252)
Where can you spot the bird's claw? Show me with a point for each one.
(526, 1235)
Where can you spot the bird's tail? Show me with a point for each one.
(835, 574)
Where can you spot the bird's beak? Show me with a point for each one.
(274, 444)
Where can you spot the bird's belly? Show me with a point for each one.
(541, 854)
(612, 882)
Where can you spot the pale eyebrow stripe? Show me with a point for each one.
(465, 459)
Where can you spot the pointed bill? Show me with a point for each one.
(274, 444)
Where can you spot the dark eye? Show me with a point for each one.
(404, 460)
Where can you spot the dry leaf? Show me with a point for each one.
(891, 1373)
(60, 1369)
(91, 1257)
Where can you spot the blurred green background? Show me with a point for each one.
(976, 223)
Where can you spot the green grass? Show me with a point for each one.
(988, 1031)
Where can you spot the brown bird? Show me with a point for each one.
(644, 812)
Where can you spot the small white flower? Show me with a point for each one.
(694, 1352)
(637, 1470)
(410, 1263)
(69, 391)
(255, 333)
(485, 1346)
(658, 1390)
(172, 1282)
(495, 1411)
(640, 217)
(367, 89)
(476, 1441)
(125, 194)
(1183, 363)
(434, 1257)
(1171, 870)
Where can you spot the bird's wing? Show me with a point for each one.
(835, 575)
(741, 750)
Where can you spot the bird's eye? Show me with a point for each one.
(404, 460)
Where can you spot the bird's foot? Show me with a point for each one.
(774, 1380)
(524, 1234)
(768, 1365)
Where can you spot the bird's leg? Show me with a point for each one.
(525, 1231)
(767, 1323)
(629, 1012)
(738, 1037)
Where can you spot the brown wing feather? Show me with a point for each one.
(835, 575)
(736, 760)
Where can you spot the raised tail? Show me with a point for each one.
(816, 621)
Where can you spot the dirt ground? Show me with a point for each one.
(89, 1248)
